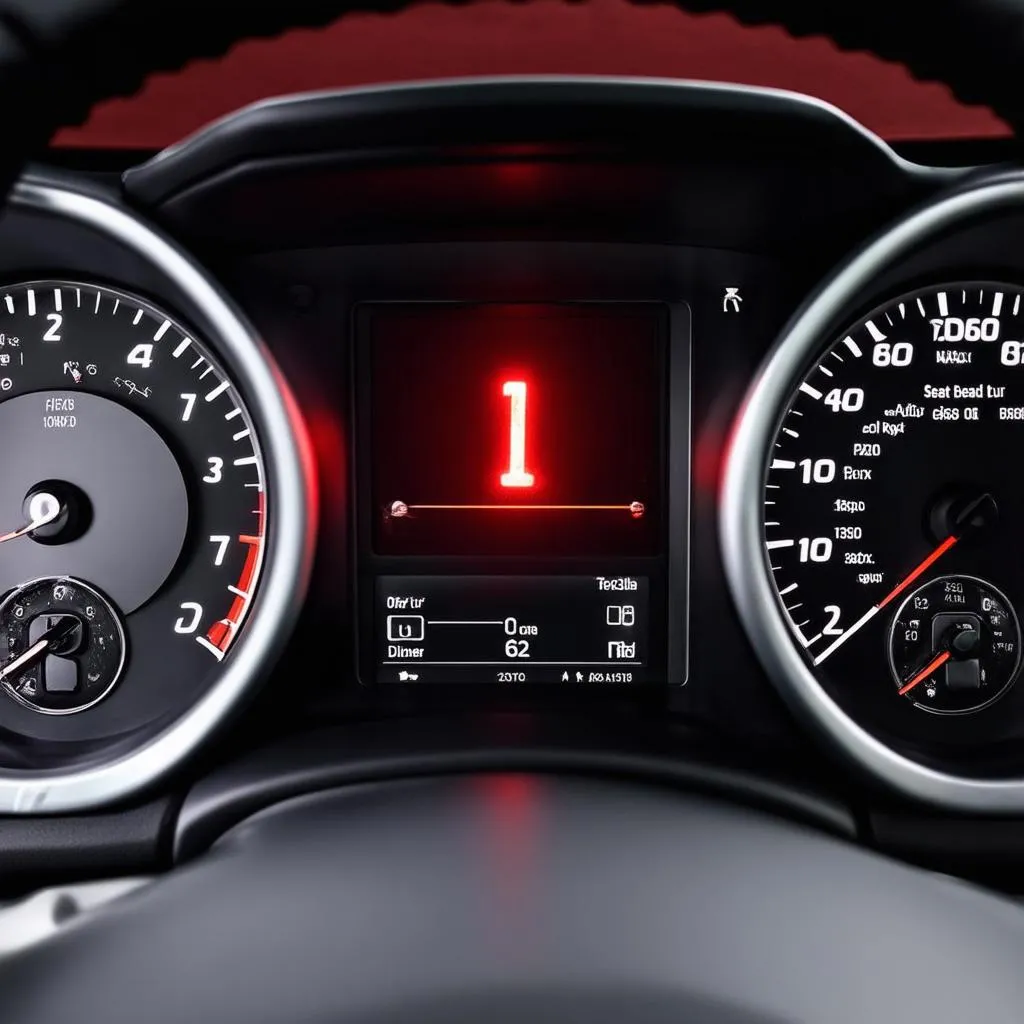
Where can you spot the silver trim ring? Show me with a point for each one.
(292, 525)
(806, 335)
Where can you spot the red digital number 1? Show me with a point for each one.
(515, 391)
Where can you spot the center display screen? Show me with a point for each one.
(514, 457)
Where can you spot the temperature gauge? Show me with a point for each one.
(954, 646)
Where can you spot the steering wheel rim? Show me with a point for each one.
(516, 898)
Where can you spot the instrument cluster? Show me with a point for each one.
(645, 465)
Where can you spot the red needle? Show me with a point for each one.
(937, 662)
(907, 580)
(895, 592)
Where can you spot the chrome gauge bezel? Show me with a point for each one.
(807, 335)
(291, 524)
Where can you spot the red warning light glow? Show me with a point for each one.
(516, 475)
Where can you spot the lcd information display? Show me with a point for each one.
(512, 629)
(523, 485)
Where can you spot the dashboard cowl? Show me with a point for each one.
(426, 160)
(375, 752)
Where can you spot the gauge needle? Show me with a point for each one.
(937, 662)
(921, 567)
(43, 509)
(51, 640)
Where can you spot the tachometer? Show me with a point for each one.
(132, 511)
(893, 501)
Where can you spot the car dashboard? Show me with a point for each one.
(524, 335)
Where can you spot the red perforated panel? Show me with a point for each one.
(610, 37)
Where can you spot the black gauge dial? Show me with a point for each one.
(954, 645)
(62, 644)
(897, 463)
(132, 472)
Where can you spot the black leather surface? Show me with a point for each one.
(92, 49)
(508, 899)
(415, 748)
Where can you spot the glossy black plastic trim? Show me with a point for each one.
(573, 112)
(634, 158)
(44, 850)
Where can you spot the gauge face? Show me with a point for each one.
(954, 645)
(132, 512)
(64, 645)
(893, 500)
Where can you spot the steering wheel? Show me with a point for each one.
(512, 898)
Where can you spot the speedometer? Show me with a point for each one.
(893, 501)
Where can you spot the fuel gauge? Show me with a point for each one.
(954, 645)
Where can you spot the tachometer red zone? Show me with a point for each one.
(223, 632)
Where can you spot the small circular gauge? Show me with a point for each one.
(954, 645)
(62, 645)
